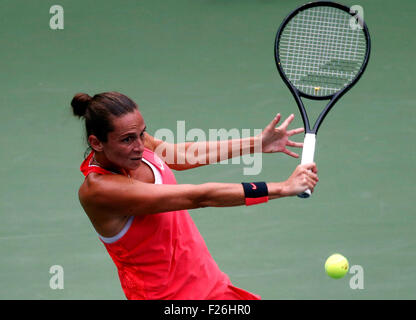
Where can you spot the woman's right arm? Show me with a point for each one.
(125, 196)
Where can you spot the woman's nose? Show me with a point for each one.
(138, 145)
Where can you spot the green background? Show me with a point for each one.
(210, 63)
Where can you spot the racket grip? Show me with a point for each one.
(308, 153)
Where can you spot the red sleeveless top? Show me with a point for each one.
(163, 256)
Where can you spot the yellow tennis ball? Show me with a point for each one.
(336, 266)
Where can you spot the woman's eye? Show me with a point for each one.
(126, 139)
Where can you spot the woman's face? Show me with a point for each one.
(125, 145)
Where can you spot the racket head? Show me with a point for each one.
(318, 53)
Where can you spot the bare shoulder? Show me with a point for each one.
(111, 194)
(86, 190)
(94, 196)
(86, 196)
(97, 187)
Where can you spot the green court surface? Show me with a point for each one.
(210, 63)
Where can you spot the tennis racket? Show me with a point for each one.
(321, 50)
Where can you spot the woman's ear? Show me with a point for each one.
(95, 144)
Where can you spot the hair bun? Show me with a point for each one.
(79, 104)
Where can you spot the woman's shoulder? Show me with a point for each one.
(96, 184)
(95, 188)
(86, 190)
(100, 193)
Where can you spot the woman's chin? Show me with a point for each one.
(134, 163)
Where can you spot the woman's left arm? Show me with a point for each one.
(187, 155)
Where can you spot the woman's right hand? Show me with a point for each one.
(303, 178)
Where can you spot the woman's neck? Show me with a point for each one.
(101, 160)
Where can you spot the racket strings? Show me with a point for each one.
(320, 51)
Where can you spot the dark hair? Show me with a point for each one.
(99, 109)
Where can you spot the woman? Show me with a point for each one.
(140, 213)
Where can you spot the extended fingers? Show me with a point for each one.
(294, 144)
(291, 153)
(295, 131)
(275, 121)
(288, 120)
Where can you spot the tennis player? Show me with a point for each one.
(140, 212)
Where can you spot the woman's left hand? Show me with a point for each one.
(277, 139)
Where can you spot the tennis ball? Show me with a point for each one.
(336, 266)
